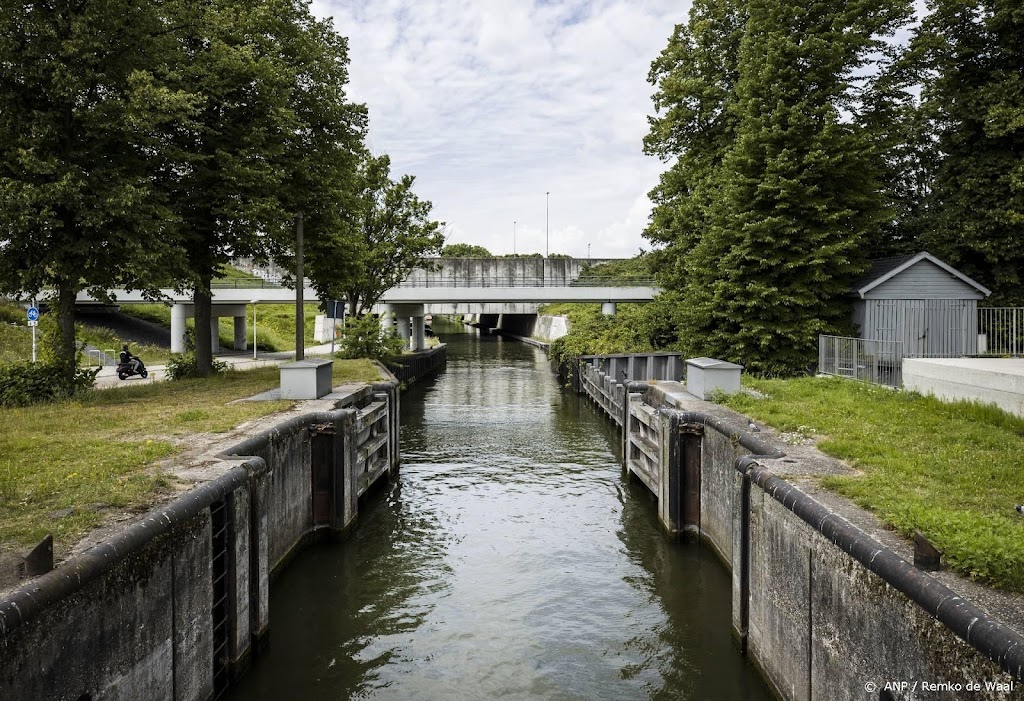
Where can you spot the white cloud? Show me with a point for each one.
(491, 104)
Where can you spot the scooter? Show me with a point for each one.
(125, 370)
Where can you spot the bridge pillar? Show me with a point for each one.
(403, 313)
(385, 319)
(241, 343)
(402, 324)
(179, 312)
(214, 333)
(419, 338)
(608, 308)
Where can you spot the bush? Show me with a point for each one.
(26, 383)
(11, 313)
(362, 338)
(183, 366)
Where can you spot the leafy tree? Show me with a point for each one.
(274, 137)
(799, 192)
(388, 232)
(696, 78)
(83, 126)
(971, 54)
(465, 250)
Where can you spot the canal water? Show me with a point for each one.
(510, 560)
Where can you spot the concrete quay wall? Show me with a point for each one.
(823, 608)
(173, 606)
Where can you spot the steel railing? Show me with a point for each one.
(549, 281)
(460, 281)
(877, 362)
(1000, 331)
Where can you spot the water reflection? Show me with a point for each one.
(509, 561)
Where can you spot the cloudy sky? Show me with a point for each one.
(493, 103)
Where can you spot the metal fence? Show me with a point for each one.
(878, 362)
(1000, 331)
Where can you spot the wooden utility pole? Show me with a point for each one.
(300, 321)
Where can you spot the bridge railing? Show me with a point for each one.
(553, 281)
(458, 281)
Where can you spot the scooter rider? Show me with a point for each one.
(128, 359)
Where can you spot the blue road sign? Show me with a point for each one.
(33, 314)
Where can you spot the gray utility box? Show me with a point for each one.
(306, 379)
(705, 375)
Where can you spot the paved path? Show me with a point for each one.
(107, 376)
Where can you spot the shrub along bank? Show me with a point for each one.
(952, 471)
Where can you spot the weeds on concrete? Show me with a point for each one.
(954, 471)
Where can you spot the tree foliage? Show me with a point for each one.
(387, 232)
(695, 77)
(275, 137)
(465, 250)
(83, 123)
(970, 56)
(775, 197)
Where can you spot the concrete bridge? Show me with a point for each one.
(447, 286)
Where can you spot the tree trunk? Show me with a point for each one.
(66, 350)
(202, 300)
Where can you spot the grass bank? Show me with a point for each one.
(952, 471)
(65, 466)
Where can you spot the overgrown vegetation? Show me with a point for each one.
(65, 466)
(362, 338)
(951, 470)
(27, 383)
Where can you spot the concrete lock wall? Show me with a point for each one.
(822, 608)
(131, 618)
(173, 606)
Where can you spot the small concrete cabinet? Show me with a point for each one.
(705, 375)
(306, 379)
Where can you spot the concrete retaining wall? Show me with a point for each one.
(998, 381)
(173, 606)
(823, 609)
(542, 328)
(411, 367)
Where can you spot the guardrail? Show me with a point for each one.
(549, 281)
(877, 362)
(460, 281)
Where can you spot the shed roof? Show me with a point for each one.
(887, 268)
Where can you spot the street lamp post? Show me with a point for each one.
(254, 302)
(547, 224)
(513, 238)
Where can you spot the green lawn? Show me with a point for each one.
(952, 471)
(97, 453)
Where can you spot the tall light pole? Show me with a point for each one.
(513, 238)
(547, 223)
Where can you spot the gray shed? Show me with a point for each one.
(927, 305)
